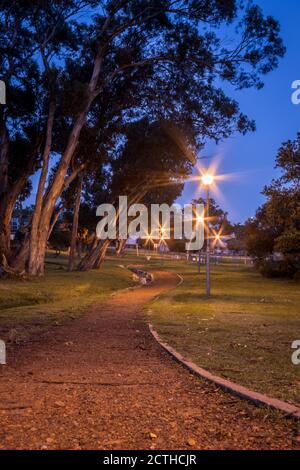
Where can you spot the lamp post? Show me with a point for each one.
(200, 220)
(207, 180)
(162, 243)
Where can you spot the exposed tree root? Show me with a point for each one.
(6, 270)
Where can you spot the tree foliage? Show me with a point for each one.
(81, 72)
(276, 227)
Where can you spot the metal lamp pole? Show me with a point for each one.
(207, 243)
(200, 221)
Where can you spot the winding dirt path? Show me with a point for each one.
(103, 383)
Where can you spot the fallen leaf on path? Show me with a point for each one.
(59, 403)
(191, 442)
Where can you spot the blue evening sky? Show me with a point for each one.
(252, 156)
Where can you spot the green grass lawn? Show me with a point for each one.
(30, 305)
(243, 332)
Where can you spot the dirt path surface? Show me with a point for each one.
(103, 383)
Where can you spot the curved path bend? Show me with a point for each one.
(102, 382)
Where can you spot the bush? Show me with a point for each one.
(288, 242)
(60, 240)
(237, 245)
(277, 269)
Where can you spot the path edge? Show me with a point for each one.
(259, 399)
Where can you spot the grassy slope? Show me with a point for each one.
(243, 332)
(59, 295)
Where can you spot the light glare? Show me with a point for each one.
(207, 179)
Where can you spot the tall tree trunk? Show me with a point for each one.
(5, 228)
(7, 205)
(35, 224)
(19, 260)
(55, 219)
(4, 151)
(8, 201)
(94, 243)
(79, 248)
(95, 258)
(57, 185)
(121, 247)
(75, 227)
(4, 222)
(101, 256)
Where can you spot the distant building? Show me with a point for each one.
(20, 219)
(14, 225)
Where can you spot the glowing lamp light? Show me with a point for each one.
(207, 179)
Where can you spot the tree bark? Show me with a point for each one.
(8, 201)
(55, 219)
(33, 266)
(57, 186)
(7, 204)
(79, 248)
(75, 227)
(4, 151)
(4, 221)
(19, 260)
(95, 258)
(102, 253)
(5, 228)
(121, 247)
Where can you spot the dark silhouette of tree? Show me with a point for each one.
(172, 48)
(149, 159)
(276, 227)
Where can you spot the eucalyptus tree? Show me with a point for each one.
(173, 47)
(31, 35)
(149, 158)
(276, 226)
(20, 129)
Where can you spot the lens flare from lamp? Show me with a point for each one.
(207, 179)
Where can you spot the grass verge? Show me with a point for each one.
(31, 305)
(243, 332)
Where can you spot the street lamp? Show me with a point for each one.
(207, 180)
(199, 221)
(149, 241)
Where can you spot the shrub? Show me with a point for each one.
(277, 269)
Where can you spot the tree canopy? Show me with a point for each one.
(80, 73)
(276, 227)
